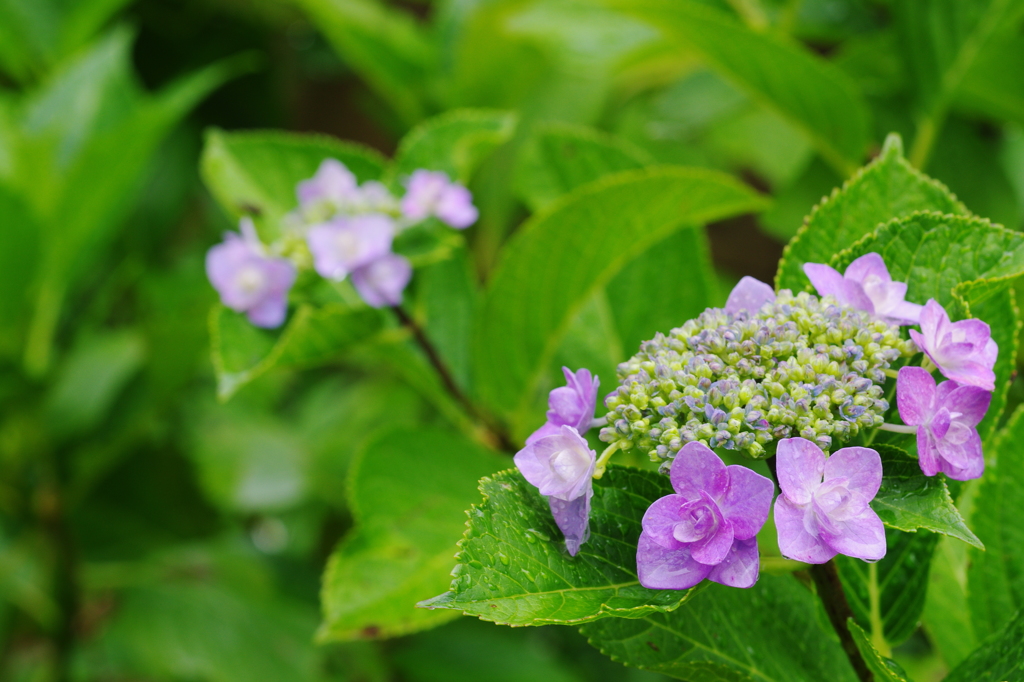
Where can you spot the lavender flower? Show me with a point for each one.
(570, 405)
(561, 466)
(381, 282)
(346, 244)
(866, 285)
(749, 295)
(248, 279)
(816, 518)
(333, 186)
(947, 417)
(708, 528)
(433, 193)
(963, 351)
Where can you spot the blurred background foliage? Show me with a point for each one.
(149, 531)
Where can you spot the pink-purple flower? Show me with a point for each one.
(749, 295)
(708, 528)
(432, 193)
(381, 282)
(824, 509)
(866, 285)
(946, 417)
(345, 244)
(963, 351)
(333, 184)
(570, 405)
(561, 466)
(248, 279)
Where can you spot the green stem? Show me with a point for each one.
(602, 461)
(875, 603)
(924, 141)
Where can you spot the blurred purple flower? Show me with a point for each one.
(433, 193)
(749, 294)
(248, 280)
(708, 528)
(345, 244)
(963, 351)
(947, 417)
(381, 282)
(333, 183)
(817, 519)
(561, 466)
(570, 405)
(866, 285)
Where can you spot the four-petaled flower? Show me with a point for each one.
(248, 279)
(963, 351)
(433, 193)
(345, 244)
(823, 509)
(866, 285)
(708, 528)
(946, 417)
(749, 294)
(561, 466)
(570, 405)
(382, 282)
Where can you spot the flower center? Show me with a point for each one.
(697, 520)
(568, 464)
(250, 279)
(347, 245)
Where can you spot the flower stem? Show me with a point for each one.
(602, 461)
(891, 373)
(898, 428)
(928, 365)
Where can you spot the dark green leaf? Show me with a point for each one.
(408, 492)
(769, 633)
(514, 569)
(448, 295)
(947, 618)
(999, 659)
(884, 669)
(454, 142)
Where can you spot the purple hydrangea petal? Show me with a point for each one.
(928, 457)
(697, 468)
(560, 465)
(270, 312)
(795, 540)
(455, 207)
(861, 536)
(970, 402)
(575, 403)
(382, 282)
(332, 182)
(433, 193)
(963, 351)
(860, 467)
(573, 519)
(868, 267)
(740, 567)
(667, 569)
(660, 520)
(548, 429)
(749, 294)
(346, 244)
(887, 297)
(713, 547)
(959, 453)
(828, 282)
(747, 502)
(915, 395)
(800, 464)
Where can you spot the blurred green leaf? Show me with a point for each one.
(18, 259)
(807, 91)
(408, 491)
(1000, 657)
(884, 669)
(789, 208)
(513, 567)
(24, 580)
(566, 253)
(947, 618)
(769, 633)
(449, 295)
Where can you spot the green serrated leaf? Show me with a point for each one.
(408, 491)
(909, 500)
(887, 188)
(241, 352)
(769, 633)
(884, 669)
(255, 173)
(454, 142)
(999, 659)
(514, 569)
(564, 254)
(806, 90)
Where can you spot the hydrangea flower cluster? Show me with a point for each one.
(782, 376)
(346, 229)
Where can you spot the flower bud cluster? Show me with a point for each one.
(798, 367)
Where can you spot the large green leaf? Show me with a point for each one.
(999, 659)
(947, 618)
(886, 188)
(255, 173)
(995, 580)
(567, 252)
(884, 669)
(909, 500)
(989, 88)
(408, 492)
(242, 352)
(806, 90)
(769, 633)
(513, 567)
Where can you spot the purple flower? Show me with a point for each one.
(749, 294)
(248, 280)
(866, 285)
(963, 351)
(561, 466)
(708, 528)
(346, 244)
(818, 519)
(432, 193)
(947, 417)
(570, 405)
(381, 282)
(333, 183)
